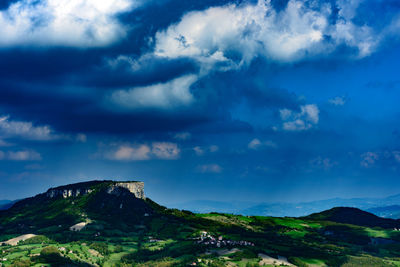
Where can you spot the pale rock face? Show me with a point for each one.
(66, 193)
(136, 188)
(78, 226)
(116, 188)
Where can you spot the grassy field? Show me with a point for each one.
(168, 237)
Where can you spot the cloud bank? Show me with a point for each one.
(26, 130)
(20, 155)
(76, 23)
(229, 36)
(307, 118)
(140, 152)
(172, 94)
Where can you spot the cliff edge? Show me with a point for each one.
(113, 187)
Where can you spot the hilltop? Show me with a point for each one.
(109, 201)
(354, 216)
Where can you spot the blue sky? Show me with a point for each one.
(281, 100)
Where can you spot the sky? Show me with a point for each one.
(264, 101)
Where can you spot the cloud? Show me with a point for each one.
(200, 151)
(247, 31)
(256, 144)
(4, 143)
(82, 138)
(139, 152)
(165, 150)
(25, 130)
(21, 155)
(213, 148)
(337, 101)
(396, 155)
(130, 153)
(368, 159)
(183, 136)
(171, 94)
(209, 168)
(307, 118)
(323, 163)
(76, 23)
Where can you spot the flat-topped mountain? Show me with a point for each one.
(79, 189)
(117, 202)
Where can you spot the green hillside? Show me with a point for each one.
(354, 216)
(123, 230)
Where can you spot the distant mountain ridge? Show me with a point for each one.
(280, 209)
(6, 204)
(392, 211)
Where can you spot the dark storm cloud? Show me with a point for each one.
(46, 65)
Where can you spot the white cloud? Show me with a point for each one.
(307, 118)
(209, 168)
(21, 155)
(323, 163)
(26, 130)
(183, 136)
(258, 144)
(165, 150)
(129, 153)
(200, 151)
(254, 144)
(338, 101)
(368, 159)
(167, 95)
(138, 152)
(213, 148)
(233, 35)
(81, 23)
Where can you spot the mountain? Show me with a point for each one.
(392, 211)
(118, 203)
(288, 209)
(5, 204)
(354, 216)
(4, 201)
(205, 206)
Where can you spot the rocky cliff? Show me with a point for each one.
(113, 187)
(136, 188)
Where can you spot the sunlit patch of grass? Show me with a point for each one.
(313, 262)
(378, 232)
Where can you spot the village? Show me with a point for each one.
(207, 239)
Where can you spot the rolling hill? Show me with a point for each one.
(354, 216)
(111, 223)
(296, 209)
